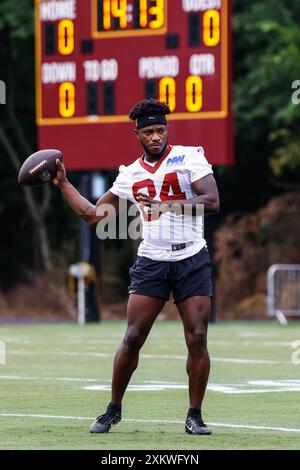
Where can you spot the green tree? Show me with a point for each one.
(17, 130)
(266, 40)
(267, 62)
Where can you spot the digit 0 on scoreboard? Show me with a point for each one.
(96, 58)
(167, 92)
(66, 37)
(193, 93)
(211, 28)
(67, 100)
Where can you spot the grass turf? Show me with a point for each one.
(48, 367)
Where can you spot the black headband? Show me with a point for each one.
(145, 121)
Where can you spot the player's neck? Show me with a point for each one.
(148, 157)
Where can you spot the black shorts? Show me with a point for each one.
(186, 278)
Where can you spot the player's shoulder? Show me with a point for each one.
(188, 151)
(129, 169)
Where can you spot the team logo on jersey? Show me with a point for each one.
(176, 160)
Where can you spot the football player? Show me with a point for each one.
(173, 186)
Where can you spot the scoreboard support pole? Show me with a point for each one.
(89, 252)
(209, 227)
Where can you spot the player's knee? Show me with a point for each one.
(197, 344)
(132, 342)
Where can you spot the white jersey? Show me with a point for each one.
(170, 178)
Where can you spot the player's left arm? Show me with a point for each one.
(207, 195)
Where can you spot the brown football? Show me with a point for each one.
(39, 168)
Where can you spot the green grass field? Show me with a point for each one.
(252, 400)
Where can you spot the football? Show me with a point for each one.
(39, 168)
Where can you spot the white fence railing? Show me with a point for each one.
(283, 285)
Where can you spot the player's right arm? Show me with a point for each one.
(80, 205)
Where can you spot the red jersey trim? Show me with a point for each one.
(153, 169)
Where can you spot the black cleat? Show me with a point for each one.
(194, 425)
(104, 422)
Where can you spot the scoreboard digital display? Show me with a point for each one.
(136, 18)
(96, 58)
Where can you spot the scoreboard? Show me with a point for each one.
(96, 58)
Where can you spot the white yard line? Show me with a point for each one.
(66, 379)
(247, 361)
(25, 342)
(151, 421)
(256, 334)
(251, 387)
(249, 426)
(231, 360)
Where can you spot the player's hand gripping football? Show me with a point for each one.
(61, 176)
(154, 208)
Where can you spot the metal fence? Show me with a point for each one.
(283, 285)
(2, 92)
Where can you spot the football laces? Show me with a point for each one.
(37, 167)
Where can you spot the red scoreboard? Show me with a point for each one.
(96, 58)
